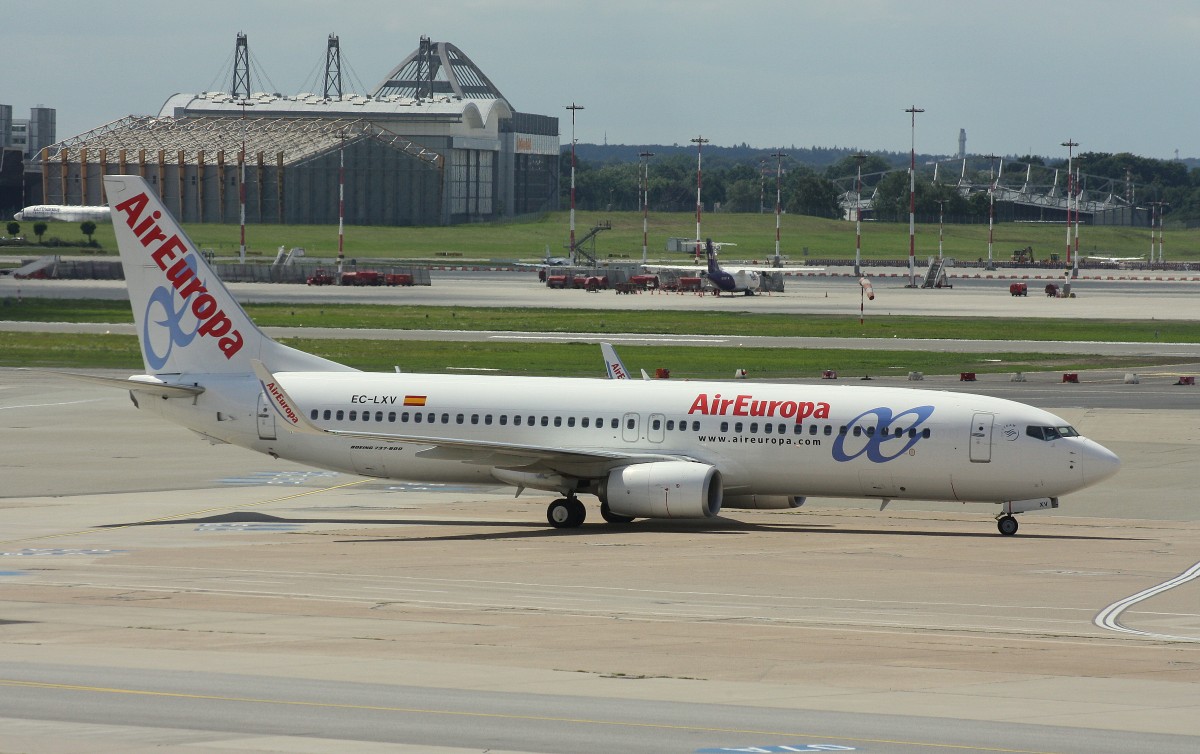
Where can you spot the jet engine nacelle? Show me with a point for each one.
(763, 502)
(665, 489)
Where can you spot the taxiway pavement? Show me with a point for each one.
(160, 594)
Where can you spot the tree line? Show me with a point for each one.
(747, 183)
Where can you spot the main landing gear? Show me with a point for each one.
(566, 513)
(1007, 525)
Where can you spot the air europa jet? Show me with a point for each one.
(644, 448)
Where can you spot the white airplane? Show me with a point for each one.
(1113, 261)
(645, 449)
(734, 279)
(62, 213)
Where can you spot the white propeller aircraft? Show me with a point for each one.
(739, 278)
(644, 448)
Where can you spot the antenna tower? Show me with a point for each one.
(333, 68)
(241, 69)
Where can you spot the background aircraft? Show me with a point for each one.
(62, 213)
(736, 278)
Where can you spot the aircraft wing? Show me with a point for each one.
(699, 269)
(732, 269)
(582, 461)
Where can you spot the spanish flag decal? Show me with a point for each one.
(414, 400)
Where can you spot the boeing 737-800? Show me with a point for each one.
(644, 448)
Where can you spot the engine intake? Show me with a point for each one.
(665, 489)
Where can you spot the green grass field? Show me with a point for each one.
(607, 321)
(754, 235)
(578, 359)
(52, 350)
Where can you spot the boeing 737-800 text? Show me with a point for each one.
(644, 448)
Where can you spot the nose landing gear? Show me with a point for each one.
(1007, 525)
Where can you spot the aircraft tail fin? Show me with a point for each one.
(187, 321)
(713, 267)
(612, 363)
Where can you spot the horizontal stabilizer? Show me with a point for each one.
(138, 384)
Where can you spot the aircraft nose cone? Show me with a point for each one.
(1099, 463)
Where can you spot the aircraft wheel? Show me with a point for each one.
(566, 513)
(1007, 525)
(613, 518)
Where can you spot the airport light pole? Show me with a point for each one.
(1161, 206)
(699, 141)
(244, 103)
(341, 255)
(1078, 199)
(573, 108)
(941, 224)
(858, 158)
(778, 200)
(991, 265)
(1070, 145)
(912, 200)
(645, 200)
(762, 186)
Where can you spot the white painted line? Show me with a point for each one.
(1109, 616)
(618, 338)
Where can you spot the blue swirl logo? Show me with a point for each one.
(881, 435)
(162, 313)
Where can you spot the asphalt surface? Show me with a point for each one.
(158, 593)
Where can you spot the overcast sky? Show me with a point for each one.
(1021, 76)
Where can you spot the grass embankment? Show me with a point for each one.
(574, 359)
(754, 235)
(607, 321)
(568, 359)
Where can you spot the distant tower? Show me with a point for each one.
(333, 69)
(241, 69)
(962, 143)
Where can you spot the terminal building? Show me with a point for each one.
(435, 143)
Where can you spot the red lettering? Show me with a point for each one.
(231, 345)
(739, 406)
(132, 207)
(804, 410)
(787, 409)
(155, 234)
(700, 404)
(216, 325)
(192, 286)
(179, 272)
(204, 306)
(167, 252)
(139, 230)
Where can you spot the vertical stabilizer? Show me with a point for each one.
(713, 267)
(186, 320)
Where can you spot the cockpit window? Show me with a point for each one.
(1051, 433)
